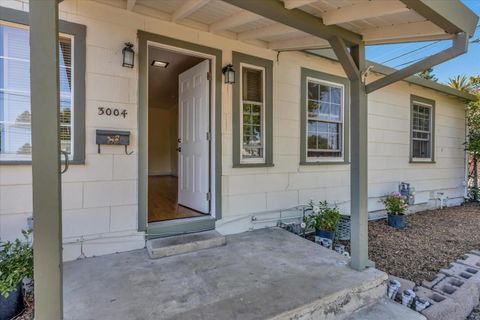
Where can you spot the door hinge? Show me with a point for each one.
(209, 136)
(209, 76)
(209, 196)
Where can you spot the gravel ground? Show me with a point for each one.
(432, 240)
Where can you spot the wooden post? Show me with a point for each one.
(47, 209)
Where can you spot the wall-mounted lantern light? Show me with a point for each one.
(128, 55)
(229, 74)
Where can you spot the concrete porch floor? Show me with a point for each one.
(263, 274)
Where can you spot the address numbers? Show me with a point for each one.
(112, 112)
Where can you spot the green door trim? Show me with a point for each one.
(178, 226)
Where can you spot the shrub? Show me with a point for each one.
(16, 263)
(395, 204)
(323, 217)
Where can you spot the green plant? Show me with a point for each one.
(395, 204)
(16, 263)
(323, 216)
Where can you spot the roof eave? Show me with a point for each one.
(378, 68)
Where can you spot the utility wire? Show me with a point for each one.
(409, 52)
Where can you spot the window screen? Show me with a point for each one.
(324, 120)
(421, 131)
(15, 116)
(252, 115)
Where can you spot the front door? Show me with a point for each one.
(193, 140)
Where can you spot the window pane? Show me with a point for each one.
(421, 131)
(252, 85)
(252, 132)
(15, 118)
(313, 89)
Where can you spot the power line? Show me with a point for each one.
(409, 52)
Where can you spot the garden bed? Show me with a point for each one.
(432, 240)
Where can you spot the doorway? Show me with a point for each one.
(179, 135)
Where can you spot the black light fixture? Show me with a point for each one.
(229, 74)
(128, 55)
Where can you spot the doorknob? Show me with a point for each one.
(179, 149)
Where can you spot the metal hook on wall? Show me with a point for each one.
(65, 154)
(126, 151)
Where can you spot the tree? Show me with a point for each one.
(472, 145)
(461, 82)
(428, 74)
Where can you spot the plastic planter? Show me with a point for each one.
(396, 221)
(13, 305)
(325, 234)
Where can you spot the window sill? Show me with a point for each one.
(421, 161)
(29, 162)
(253, 165)
(320, 163)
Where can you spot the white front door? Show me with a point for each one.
(193, 143)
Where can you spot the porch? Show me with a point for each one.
(263, 274)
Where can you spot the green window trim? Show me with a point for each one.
(239, 59)
(431, 104)
(305, 75)
(78, 31)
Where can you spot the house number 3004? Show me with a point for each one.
(112, 112)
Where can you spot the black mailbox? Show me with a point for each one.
(113, 138)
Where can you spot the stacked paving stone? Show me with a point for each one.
(453, 293)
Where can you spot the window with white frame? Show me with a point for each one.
(15, 113)
(325, 120)
(252, 114)
(422, 127)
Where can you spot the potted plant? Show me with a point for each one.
(16, 264)
(323, 218)
(396, 206)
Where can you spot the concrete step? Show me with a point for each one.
(385, 309)
(170, 246)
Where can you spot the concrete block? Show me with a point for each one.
(475, 252)
(429, 284)
(471, 260)
(465, 293)
(441, 307)
(463, 272)
(165, 247)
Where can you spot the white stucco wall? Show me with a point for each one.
(100, 197)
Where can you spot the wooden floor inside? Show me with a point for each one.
(163, 200)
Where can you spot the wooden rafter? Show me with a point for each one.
(292, 4)
(267, 31)
(298, 44)
(238, 19)
(131, 4)
(188, 8)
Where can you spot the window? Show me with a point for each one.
(422, 129)
(253, 130)
(324, 117)
(252, 111)
(15, 112)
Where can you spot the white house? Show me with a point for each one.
(168, 143)
(205, 154)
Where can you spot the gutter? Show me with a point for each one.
(384, 70)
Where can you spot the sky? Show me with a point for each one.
(467, 64)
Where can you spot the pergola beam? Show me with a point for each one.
(267, 31)
(297, 19)
(459, 46)
(362, 10)
(402, 31)
(305, 43)
(292, 4)
(452, 16)
(131, 4)
(47, 193)
(238, 19)
(187, 9)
